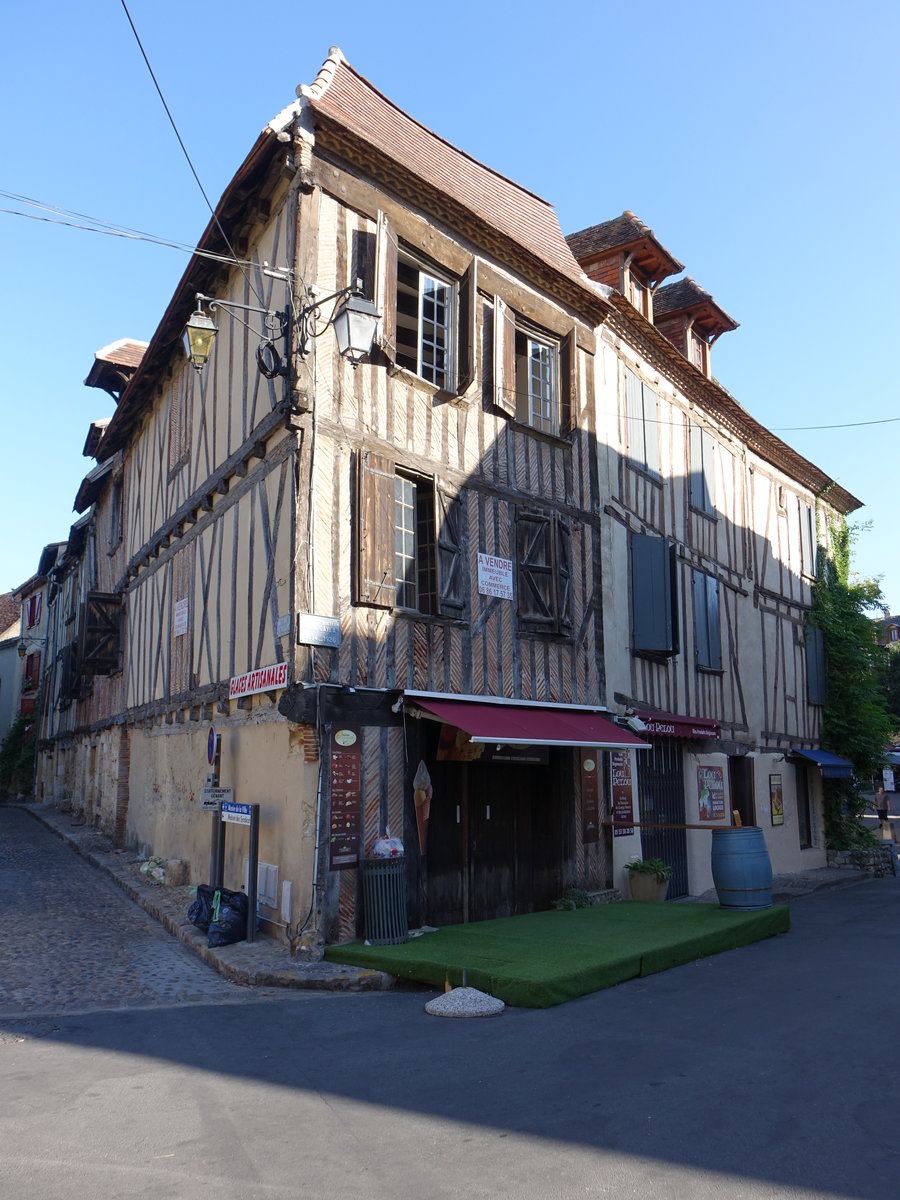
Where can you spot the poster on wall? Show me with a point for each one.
(711, 788)
(776, 798)
(622, 793)
(590, 797)
(346, 797)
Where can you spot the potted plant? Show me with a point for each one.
(648, 878)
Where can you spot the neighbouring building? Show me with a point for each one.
(526, 541)
(10, 629)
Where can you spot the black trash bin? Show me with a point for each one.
(384, 900)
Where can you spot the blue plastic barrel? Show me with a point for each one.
(741, 869)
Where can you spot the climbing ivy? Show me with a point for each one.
(856, 723)
(17, 756)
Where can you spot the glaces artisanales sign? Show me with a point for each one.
(263, 680)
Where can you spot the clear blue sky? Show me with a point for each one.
(758, 141)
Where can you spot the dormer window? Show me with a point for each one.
(698, 352)
(638, 295)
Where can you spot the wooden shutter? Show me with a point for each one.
(375, 531)
(709, 470)
(451, 582)
(634, 419)
(504, 357)
(713, 623)
(100, 638)
(807, 560)
(816, 689)
(534, 571)
(651, 429)
(652, 595)
(563, 576)
(568, 384)
(33, 669)
(697, 480)
(386, 286)
(466, 306)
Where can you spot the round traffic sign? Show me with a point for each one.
(211, 744)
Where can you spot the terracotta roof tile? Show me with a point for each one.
(686, 294)
(343, 96)
(620, 231)
(10, 612)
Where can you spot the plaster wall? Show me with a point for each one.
(262, 758)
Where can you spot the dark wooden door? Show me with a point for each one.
(495, 842)
(740, 776)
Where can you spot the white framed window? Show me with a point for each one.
(425, 321)
(537, 381)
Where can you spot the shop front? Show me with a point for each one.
(510, 822)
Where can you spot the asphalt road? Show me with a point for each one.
(764, 1072)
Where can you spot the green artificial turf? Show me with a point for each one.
(546, 958)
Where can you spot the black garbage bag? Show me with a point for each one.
(229, 924)
(200, 911)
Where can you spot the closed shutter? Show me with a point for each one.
(653, 625)
(375, 531)
(451, 582)
(504, 357)
(100, 643)
(534, 572)
(386, 286)
(568, 384)
(465, 321)
(816, 686)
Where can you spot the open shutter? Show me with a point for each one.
(807, 561)
(709, 471)
(534, 572)
(713, 623)
(651, 429)
(698, 483)
(449, 513)
(634, 419)
(563, 576)
(652, 608)
(465, 322)
(701, 624)
(504, 357)
(375, 531)
(816, 691)
(568, 384)
(386, 286)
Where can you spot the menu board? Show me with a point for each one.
(590, 796)
(346, 797)
(622, 793)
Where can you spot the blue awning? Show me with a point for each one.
(832, 766)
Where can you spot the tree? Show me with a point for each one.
(856, 723)
(17, 756)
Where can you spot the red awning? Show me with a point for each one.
(672, 725)
(528, 725)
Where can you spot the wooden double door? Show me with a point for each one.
(495, 841)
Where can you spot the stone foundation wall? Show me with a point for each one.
(877, 861)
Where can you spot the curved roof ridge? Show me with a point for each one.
(322, 82)
(340, 59)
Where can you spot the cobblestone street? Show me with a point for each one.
(72, 940)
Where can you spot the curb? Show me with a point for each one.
(313, 976)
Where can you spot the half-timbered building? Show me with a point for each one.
(711, 549)
(424, 592)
